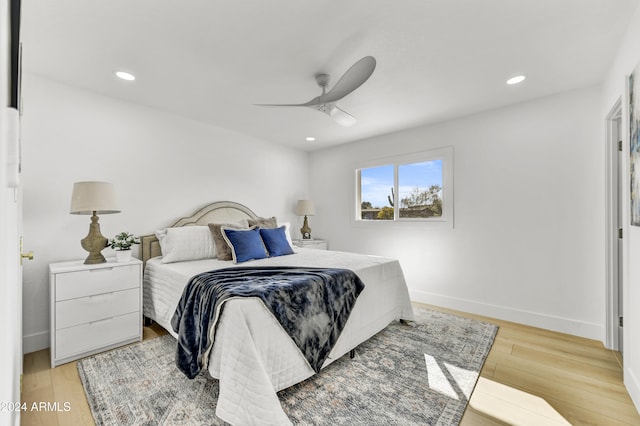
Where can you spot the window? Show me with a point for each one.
(414, 187)
(420, 189)
(377, 193)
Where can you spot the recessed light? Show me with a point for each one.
(125, 75)
(516, 79)
(311, 139)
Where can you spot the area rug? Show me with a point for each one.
(417, 373)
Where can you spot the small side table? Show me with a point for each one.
(93, 307)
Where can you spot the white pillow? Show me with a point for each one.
(186, 243)
(287, 233)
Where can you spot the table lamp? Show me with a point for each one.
(305, 208)
(93, 198)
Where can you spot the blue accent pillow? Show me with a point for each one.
(275, 241)
(245, 244)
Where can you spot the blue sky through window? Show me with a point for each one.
(421, 175)
(376, 182)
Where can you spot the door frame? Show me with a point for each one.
(10, 272)
(614, 165)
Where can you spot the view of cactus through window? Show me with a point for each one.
(419, 189)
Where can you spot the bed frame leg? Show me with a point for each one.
(352, 353)
(147, 322)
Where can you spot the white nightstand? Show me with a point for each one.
(315, 244)
(93, 307)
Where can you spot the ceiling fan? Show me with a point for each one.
(350, 81)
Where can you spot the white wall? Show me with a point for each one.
(163, 167)
(527, 245)
(627, 58)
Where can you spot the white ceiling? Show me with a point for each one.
(211, 60)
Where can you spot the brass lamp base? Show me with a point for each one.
(305, 230)
(94, 243)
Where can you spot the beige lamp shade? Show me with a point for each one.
(305, 208)
(89, 197)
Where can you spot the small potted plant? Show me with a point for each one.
(122, 243)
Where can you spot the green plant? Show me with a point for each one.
(123, 241)
(385, 213)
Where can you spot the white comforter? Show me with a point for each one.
(253, 357)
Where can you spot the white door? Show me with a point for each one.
(10, 285)
(620, 221)
(615, 246)
(10, 271)
(10, 298)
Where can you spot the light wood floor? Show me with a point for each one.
(531, 377)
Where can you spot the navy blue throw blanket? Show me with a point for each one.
(311, 304)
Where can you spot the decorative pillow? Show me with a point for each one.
(264, 222)
(287, 233)
(223, 250)
(246, 244)
(275, 241)
(161, 234)
(186, 243)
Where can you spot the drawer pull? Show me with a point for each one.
(99, 321)
(101, 269)
(98, 296)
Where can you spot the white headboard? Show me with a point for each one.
(220, 212)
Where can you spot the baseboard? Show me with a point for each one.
(633, 387)
(35, 342)
(534, 319)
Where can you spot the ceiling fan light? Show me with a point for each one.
(342, 118)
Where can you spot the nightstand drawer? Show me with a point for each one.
(76, 284)
(96, 307)
(93, 335)
(312, 244)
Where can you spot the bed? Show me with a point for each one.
(252, 356)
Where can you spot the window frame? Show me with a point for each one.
(444, 154)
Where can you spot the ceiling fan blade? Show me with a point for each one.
(352, 79)
(341, 117)
(312, 102)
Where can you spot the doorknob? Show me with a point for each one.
(23, 255)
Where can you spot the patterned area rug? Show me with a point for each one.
(420, 373)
